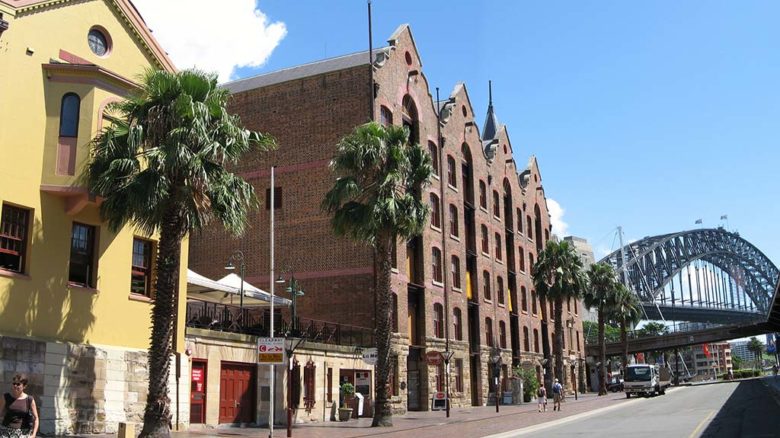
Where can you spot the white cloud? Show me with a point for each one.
(215, 37)
(559, 227)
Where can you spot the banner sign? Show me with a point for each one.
(270, 351)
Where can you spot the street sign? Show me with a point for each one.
(434, 358)
(270, 351)
(370, 356)
(439, 401)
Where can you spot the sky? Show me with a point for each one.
(648, 115)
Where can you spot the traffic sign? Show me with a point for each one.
(270, 351)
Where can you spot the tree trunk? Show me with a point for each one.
(624, 343)
(559, 344)
(157, 415)
(383, 415)
(602, 355)
(546, 345)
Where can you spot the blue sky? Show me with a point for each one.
(648, 115)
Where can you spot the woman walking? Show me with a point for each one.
(18, 410)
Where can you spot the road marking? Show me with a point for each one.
(538, 427)
(696, 432)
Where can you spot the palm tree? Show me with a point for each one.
(160, 166)
(557, 276)
(757, 348)
(653, 328)
(376, 199)
(627, 311)
(600, 294)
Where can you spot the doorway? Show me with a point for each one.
(237, 382)
(198, 392)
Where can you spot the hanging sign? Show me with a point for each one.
(370, 356)
(270, 351)
(434, 358)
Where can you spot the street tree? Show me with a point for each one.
(627, 311)
(653, 328)
(757, 348)
(557, 276)
(376, 199)
(161, 166)
(600, 294)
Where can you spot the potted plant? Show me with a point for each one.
(530, 382)
(347, 393)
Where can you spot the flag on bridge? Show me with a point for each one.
(724, 217)
(698, 221)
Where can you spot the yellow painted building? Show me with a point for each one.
(75, 297)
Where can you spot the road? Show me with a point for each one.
(744, 409)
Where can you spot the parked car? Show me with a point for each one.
(615, 384)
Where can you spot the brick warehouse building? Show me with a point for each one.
(489, 221)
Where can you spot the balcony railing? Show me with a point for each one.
(252, 321)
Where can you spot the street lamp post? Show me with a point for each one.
(495, 360)
(295, 291)
(238, 256)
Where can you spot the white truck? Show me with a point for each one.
(646, 379)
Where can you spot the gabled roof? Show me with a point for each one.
(304, 70)
(124, 7)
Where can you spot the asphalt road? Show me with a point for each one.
(744, 409)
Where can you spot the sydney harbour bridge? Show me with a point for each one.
(711, 279)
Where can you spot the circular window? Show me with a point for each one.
(99, 42)
(408, 57)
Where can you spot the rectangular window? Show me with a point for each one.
(277, 198)
(440, 377)
(13, 238)
(329, 385)
(455, 272)
(141, 273)
(82, 255)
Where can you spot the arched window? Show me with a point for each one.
(436, 264)
(485, 241)
(519, 221)
(457, 321)
(500, 290)
(438, 320)
(529, 231)
(410, 119)
(486, 285)
(502, 334)
(452, 177)
(489, 332)
(536, 340)
(482, 194)
(434, 151)
(498, 246)
(531, 263)
(385, 116)
(454, 221)
(69, 115)
(521, 258)
(524, 298)
(533, 302)
(496, 204)
(455, 269)
(526, 341)
(435, 211)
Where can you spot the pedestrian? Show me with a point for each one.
(18, 410)
(557, 390)
(731, 374)
(541, 398)
(774, 370)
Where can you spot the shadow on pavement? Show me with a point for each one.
(750, 411)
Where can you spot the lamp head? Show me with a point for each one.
(229, 266)
(279, 280)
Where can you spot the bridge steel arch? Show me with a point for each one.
(651, 263)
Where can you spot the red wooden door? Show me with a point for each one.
(236, 393)
(198, 392)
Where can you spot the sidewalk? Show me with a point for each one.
(463, 422)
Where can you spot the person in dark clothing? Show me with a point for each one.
(18, 410)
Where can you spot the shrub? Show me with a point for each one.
(530, 382)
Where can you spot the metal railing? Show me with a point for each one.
(256, 322)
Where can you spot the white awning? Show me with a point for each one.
(226, 291)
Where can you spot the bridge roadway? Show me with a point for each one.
(683, 339)
(700, 314)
